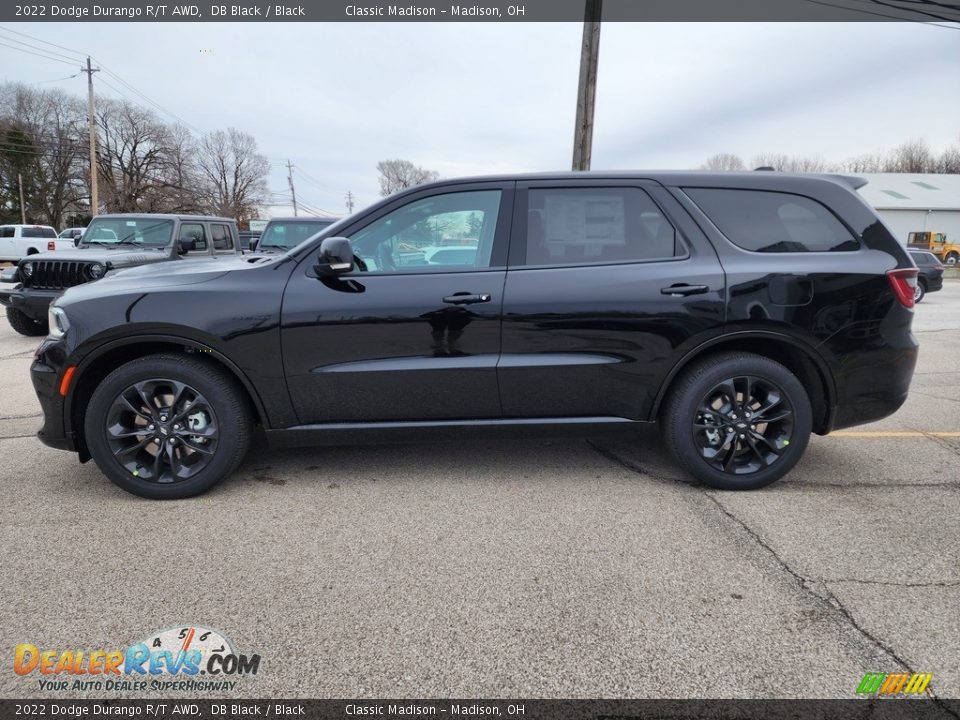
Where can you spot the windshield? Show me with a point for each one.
(145, 232)
(290, 233)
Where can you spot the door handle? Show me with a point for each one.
(682, 290)
(465, 298)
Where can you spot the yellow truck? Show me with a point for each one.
(935, 242)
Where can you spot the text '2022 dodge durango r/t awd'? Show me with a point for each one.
(742, 311)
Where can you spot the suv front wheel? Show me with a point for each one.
(167, 426)
(737, 421)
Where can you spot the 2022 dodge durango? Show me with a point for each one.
(742, 311)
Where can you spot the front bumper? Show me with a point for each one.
(32, 302)
(46, 373)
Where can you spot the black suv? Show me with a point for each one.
(742, 310)
(930, 273)
(111, 242)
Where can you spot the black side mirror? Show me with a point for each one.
(252, 245)
(76, 240)
(336, 257)
(186, 245)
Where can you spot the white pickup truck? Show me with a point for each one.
(18, 241)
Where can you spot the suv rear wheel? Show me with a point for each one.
(737, 421)
(24, 324)
(167, 427)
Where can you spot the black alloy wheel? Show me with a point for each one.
(162, 430)
(168, 426)
(744, 424)
(737, 421)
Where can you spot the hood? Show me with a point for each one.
(118, 258)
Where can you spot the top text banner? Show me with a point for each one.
(943, 11)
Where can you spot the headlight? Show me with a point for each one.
(95, 271)
(26, 269)
(57, 319)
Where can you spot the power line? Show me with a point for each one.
(45, 57)
(40, 49)
(45, 42)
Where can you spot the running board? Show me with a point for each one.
(427, 431)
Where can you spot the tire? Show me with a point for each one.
(920, 292)
(129, 456)
(952, 259)
(768, 453)
(25, 325)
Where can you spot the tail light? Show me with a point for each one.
(51, 245)
(904, 284)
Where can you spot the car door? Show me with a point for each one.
(399, 338)
(608, 282)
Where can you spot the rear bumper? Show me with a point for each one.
(33, 303)
(876, 391)
(934, 282)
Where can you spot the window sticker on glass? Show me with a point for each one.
(597, 219)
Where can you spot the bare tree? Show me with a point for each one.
(131, 155)
(396, 175)
(949, 161)
(788, 163)
(723, 161)
(180, 180)
(911, 157)
(42, 146)
(234, 173)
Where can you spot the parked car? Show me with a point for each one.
(930, 278)
(74, 233)
(742, 311)
(17, 241)
(109, 244)
(283, 233)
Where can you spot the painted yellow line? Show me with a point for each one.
(892, 434)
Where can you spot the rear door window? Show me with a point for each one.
(222, 239)
(773, 222)
(591, 225)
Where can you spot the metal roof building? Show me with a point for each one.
(911, 202)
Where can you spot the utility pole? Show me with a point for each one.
(23, 212)
(349, 197)
(293, 193)
(587, 89)
(92, 123)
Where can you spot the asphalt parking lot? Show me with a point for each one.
(512, 568)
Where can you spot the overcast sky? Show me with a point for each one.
(479, 98)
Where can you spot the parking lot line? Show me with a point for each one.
(892, 434)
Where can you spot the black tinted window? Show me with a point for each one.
(6, 231)
(572, 226)
(38, 232)
(924, 259)
(764, 221)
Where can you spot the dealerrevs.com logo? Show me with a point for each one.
(190, 658)
(900, 683)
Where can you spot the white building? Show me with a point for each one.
(915, 202)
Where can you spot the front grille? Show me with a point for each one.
(56, 274)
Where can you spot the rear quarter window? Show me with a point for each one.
(773, 222)
(38, 232)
